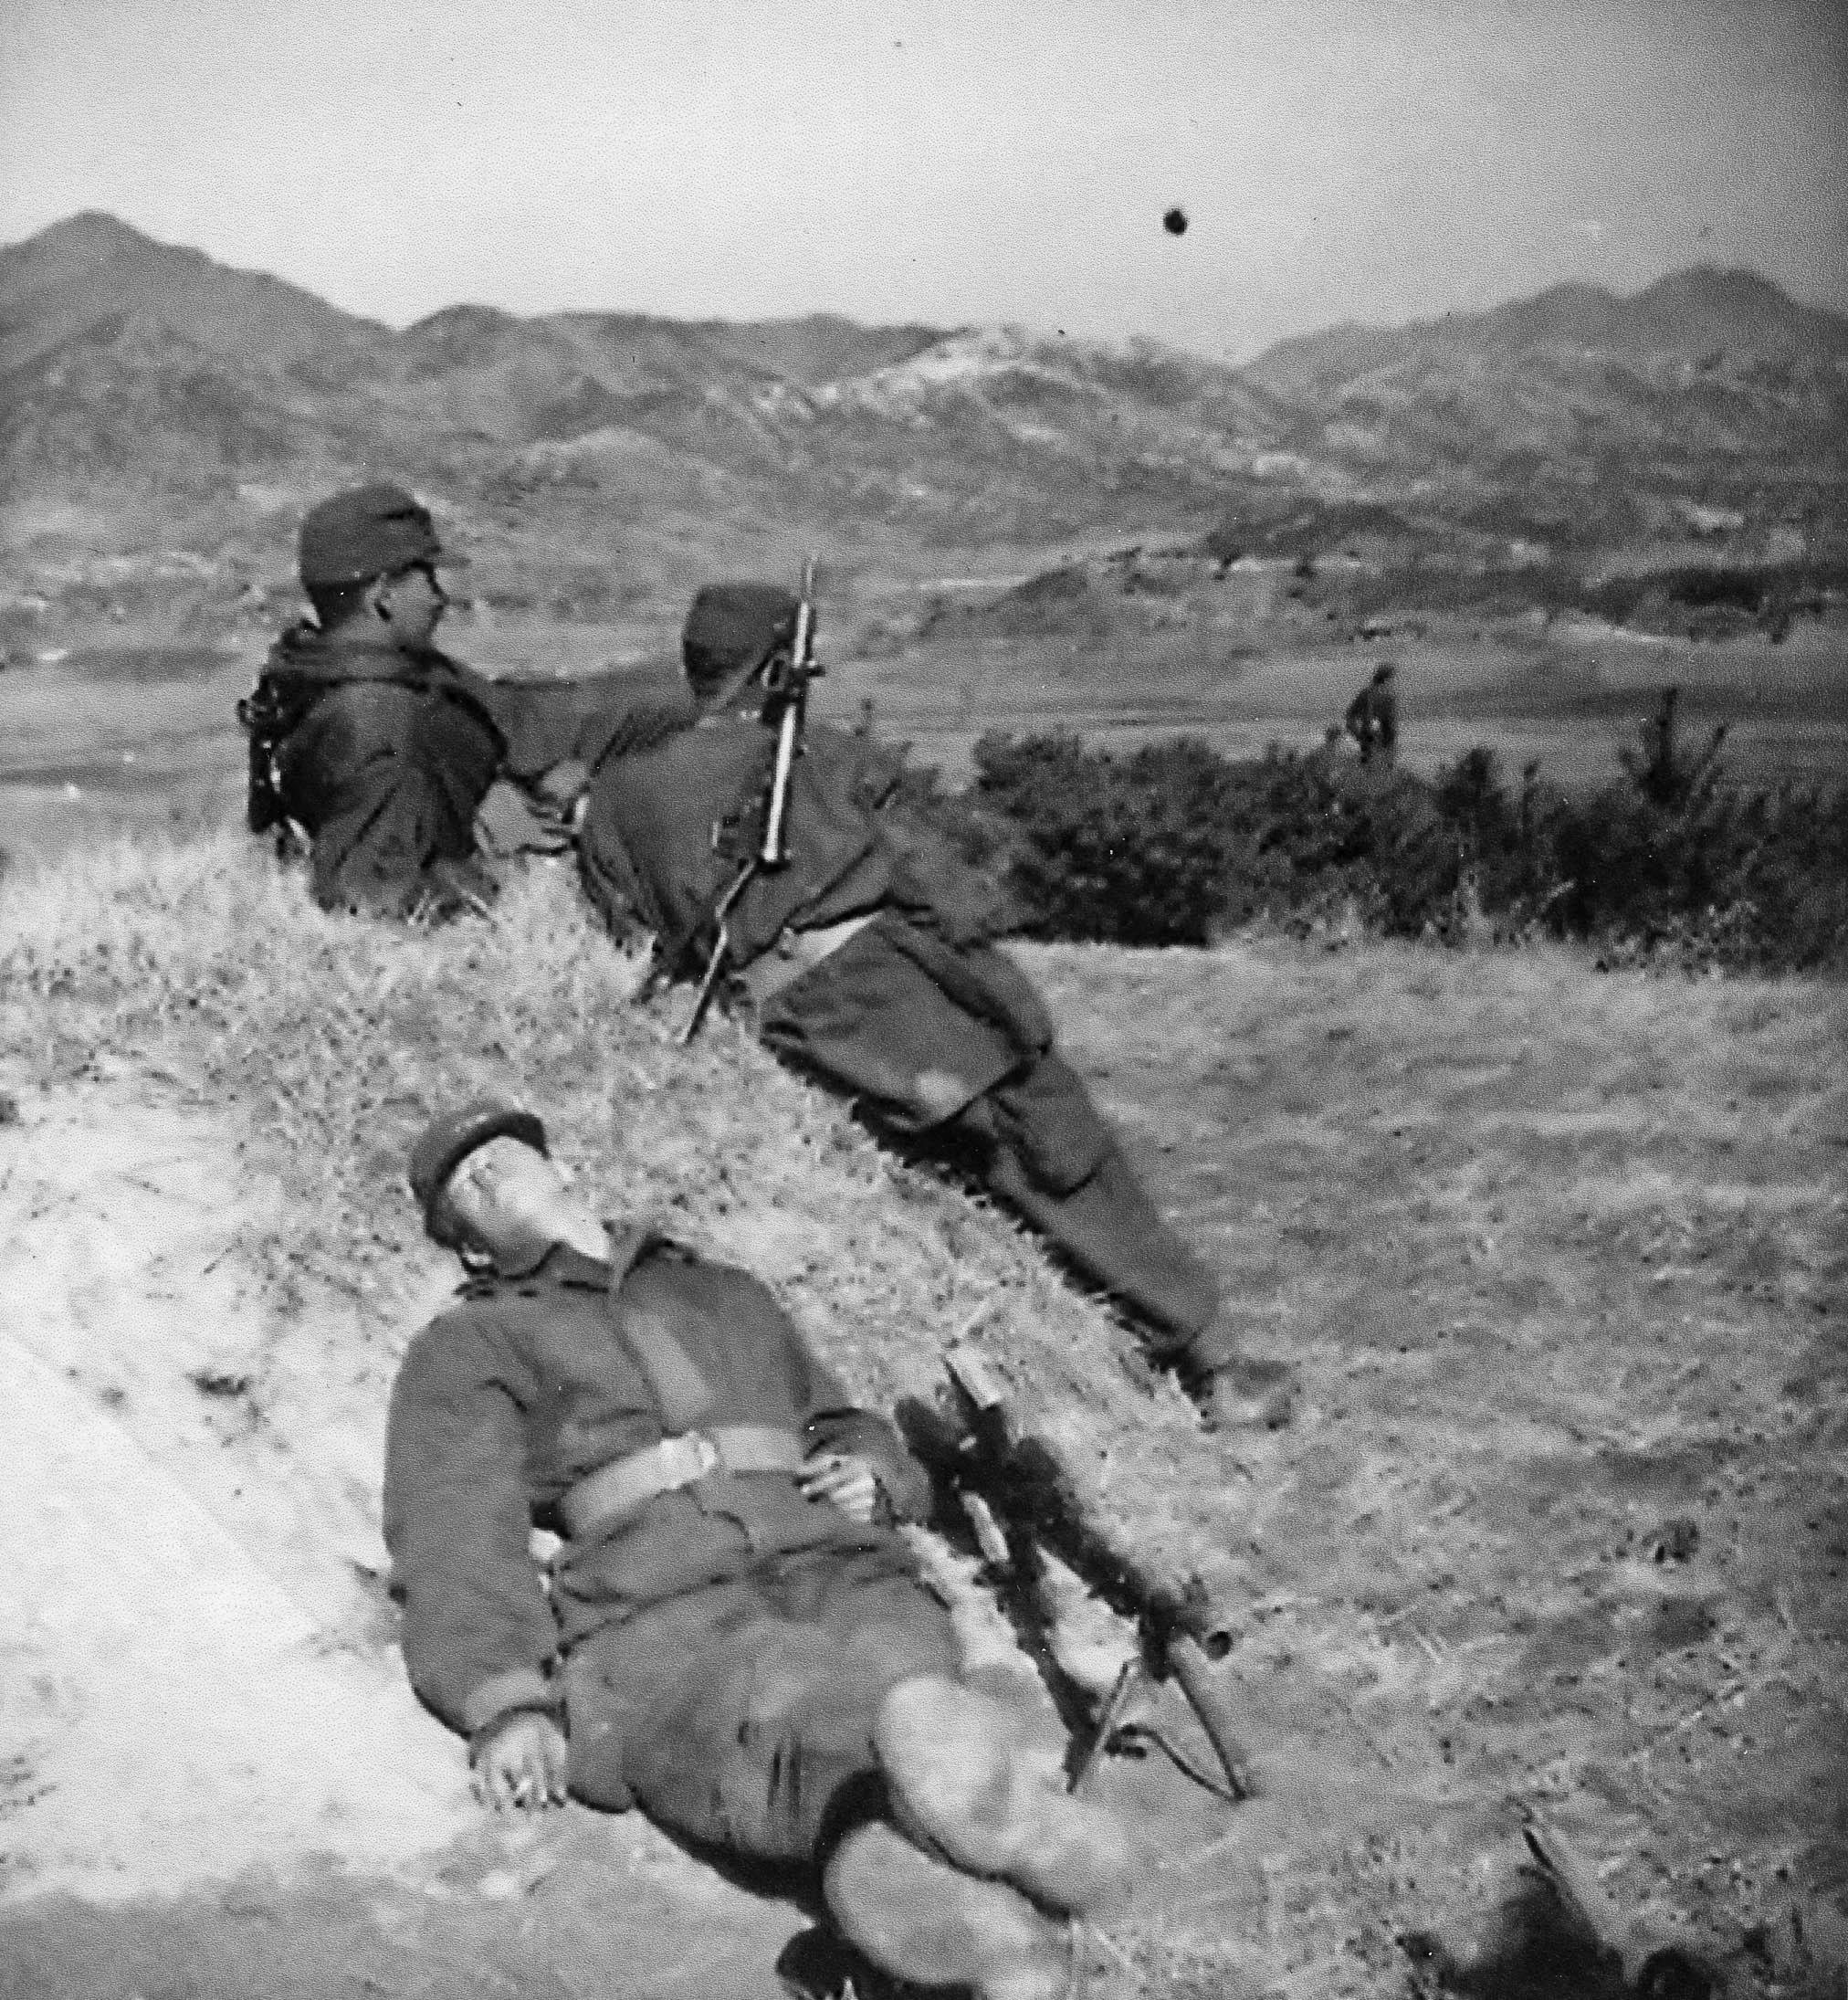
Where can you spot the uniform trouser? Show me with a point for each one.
(924, 1066)
(1106, 1224)
(740, 1714)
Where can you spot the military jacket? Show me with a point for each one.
(385, 757)
(671, 826)
(380, 755)
(920, 1013)
(503, 1403)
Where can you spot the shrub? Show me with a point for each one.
(1130, 852)
(1173, 844)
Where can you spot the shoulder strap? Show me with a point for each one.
(682, 1394)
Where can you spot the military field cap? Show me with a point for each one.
(734, 627)
(449, 1140)
(368, 531)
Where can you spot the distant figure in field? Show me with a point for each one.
(383, 752)
(735, 1635)
(868, 962)
(1373, 716)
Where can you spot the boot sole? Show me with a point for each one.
(920, 1919)
(945, 1751)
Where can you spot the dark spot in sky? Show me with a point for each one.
(1175, 222)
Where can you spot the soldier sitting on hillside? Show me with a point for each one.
(869, 962)
(1373, 716)
(734, 1636)
(386, 752)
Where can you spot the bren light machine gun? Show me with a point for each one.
(785, 677)
(970, 1446)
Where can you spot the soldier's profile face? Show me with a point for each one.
(412, 603)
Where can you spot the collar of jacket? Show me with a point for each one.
(329, 660)
(305, 649)
(562, 1265)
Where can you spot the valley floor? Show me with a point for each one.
(118, 727)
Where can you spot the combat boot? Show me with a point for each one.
(922, 1921)
(962, 1781)
(1245, 1394)
(1235, 1391)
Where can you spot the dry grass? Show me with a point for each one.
(332, 1040)
(335, 1039)
(1559, 1256)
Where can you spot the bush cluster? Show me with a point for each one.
(1174, 843)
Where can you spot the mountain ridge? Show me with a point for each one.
(1709, 302)
(1687, 313)
(126, 363)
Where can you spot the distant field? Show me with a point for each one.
(1566, 695)
(119, 731)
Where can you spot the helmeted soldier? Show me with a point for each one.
(733, 1634)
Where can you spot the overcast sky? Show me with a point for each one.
(967, 160)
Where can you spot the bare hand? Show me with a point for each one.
(846, 1479)
(562, 784)
(524, 1764)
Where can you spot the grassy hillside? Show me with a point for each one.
(1563, 1517)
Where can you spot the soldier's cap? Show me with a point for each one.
(448, 1138)
(368, 531)
(732, 626)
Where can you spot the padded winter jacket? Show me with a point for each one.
(504, 1403)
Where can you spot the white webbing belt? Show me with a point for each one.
(615, 1491)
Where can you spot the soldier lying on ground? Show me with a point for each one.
(734, 1636)
(393, 758)
(870, 962)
